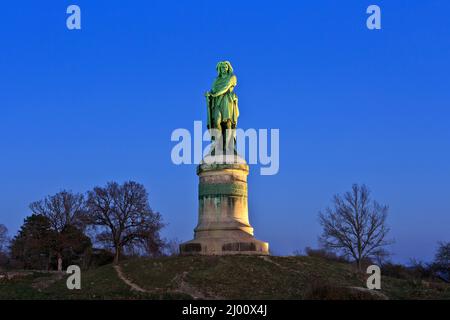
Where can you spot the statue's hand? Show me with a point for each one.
(207, 94)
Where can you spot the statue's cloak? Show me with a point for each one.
(225, 106)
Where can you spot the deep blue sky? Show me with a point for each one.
(80, 108)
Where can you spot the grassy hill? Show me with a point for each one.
(227, 277)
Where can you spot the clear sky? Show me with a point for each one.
(80, 108)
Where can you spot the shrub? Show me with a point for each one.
(324, 254)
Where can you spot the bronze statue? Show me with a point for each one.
(222, 107)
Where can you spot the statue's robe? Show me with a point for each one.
(225, 106)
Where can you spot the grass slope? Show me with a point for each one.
(226, 277)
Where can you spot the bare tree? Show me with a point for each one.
(125, 219)
(64, 210)
(172, 247)
(355, 226)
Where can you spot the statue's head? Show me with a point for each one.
(224, 67)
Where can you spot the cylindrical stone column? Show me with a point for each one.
(223, 224)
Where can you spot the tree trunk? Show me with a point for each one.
(117, 255)
(358, 262)
(60, 262)
(49, 261)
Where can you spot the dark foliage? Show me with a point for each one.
(38, 246)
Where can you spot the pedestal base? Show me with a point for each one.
(224, 246)
(223, 225)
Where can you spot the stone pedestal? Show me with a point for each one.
(223, 224)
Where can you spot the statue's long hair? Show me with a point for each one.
(230, 68)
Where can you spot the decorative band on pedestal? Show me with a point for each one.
(222, 189)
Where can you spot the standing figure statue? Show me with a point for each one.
(223, 224)
(222, 109)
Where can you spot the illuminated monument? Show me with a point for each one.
(223, 225)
